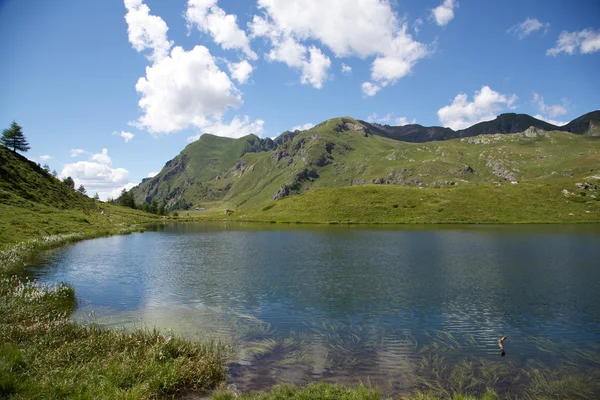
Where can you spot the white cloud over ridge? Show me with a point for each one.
(97, 175)
(185, 89)
(45, 158)
(444, 13)
(550, 110)
(209, 18)
(527, 27)
(146, 32)
(302, 127)
(401, 121)
(237, 128)
(549, 120)
(361, 28)
(586, 41)
(485, 106)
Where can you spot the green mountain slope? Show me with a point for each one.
(240, 174)
(33, 203)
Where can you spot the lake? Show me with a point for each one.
(404, 307)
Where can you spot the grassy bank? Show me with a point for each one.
(44, 355)
(475, 204)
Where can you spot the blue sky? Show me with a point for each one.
(108, 91)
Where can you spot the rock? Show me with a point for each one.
(565, 192)
(283, 191)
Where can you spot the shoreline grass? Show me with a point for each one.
(43, 354)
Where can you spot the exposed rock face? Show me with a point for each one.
(297, 180)
(533, 132)
(348, 125)
(500, 170)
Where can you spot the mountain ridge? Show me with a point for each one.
(343, 151)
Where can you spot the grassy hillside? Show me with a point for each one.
(33, 204)
(241, 174)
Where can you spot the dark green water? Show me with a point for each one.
(351, 303)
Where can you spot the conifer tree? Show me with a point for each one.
(14, 139)
(81, 189)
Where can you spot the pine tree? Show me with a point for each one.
(14, 139)
(96, 196)
(69, 182)
(81, 189)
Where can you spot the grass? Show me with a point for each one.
(522, 203)
(45, 355)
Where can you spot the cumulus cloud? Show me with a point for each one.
(361, 28)
(381, 120)
(346, 69)
(527, 27)
(45, 158)
(401, 121)
(370, 89)
(102, 158)
(387, 118)
(444, 13)
(237, 128)
(550, 110)
(145, 31)
(184, 89)
(303, 127)
(97, 175)
(549, 120)
(586, 41)
(240, 71)
(152, 174)
(127, 136)
(485, 106)
(207, 17)
(77, 152)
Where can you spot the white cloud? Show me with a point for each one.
(303, 127)
(552, 111)
(96, 177)
(549, 120)
(240, 71)
(381, 120)
(314, 71)
(209, 18)
(527, 27)
(186, 88)
(586, 41)
(370, 89)
(404, 52)
(102, 158)
(360, 28)
(237, 128)
(417, 25)
(485, 106)
(401, 121)
(444, 13)
(146, 32)
(127, 136)
(152, 174)
(346, 69)
(77, 152)
(45, 158)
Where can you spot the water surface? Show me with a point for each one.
(349, 303)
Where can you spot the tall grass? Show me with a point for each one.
(44, 355)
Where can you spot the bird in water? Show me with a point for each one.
(502, 339)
